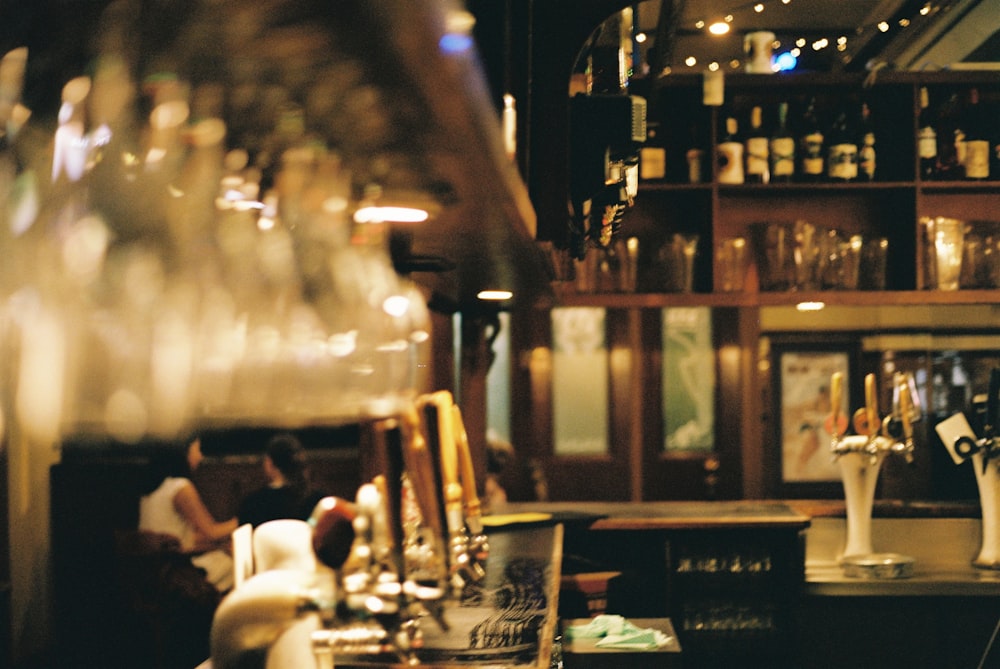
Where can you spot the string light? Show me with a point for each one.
(724, 26)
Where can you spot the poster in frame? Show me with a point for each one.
(804, 403)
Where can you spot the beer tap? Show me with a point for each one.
(987, 412)
(874, 436)
(479, 547)
(464, 567)
(860, 455)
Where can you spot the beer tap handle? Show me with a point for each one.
(473, 507)
(992, 406)
(992, 420)
(479, 547)
(906, 415)
(866, 420)
(836, 422)
(419, 468)
(436, 409)
(871, 405)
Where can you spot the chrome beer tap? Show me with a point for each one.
(875, 436)
(986, 411)
(860, 455)
(466, 545)
(980, 445)
(386, 559)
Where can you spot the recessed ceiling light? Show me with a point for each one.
(495, 295)
(719, 28)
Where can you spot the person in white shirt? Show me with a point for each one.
(171, 505)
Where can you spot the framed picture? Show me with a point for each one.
(804, 404)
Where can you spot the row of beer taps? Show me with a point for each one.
(418, 532)
(875, 435)
(411, 542)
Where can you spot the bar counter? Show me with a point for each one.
(942, 537)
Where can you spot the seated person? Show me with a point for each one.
(288, 493)
(171, 505)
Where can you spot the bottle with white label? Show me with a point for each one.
(756, 151)
(866, 150)
(729, 154)
(842, 154)
(781, 149)
(926, 139)
(812, 140)
(977, 143)
(652, 155)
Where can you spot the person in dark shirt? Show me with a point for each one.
(288, 493)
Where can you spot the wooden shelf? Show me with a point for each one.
(566, 297)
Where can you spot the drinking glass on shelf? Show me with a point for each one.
(806, 255)
(874, 254)
(776, 256)
(731, 259)
(677, 256)
(947, 237)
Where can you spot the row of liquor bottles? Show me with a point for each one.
(956, 138)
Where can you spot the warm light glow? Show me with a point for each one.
(640, 37)
(904, 23)
(820, 44)
(925, 10)
(759, 7)
(713, 66)
(810, 306)
(396, 305)
(883, 27)
(690, 61)
(719, 28)
(699, 25)
(800, 42)
(390, 215)
(494, 295)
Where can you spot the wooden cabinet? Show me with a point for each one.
(891, 207)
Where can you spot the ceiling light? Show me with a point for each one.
(640, 37)
(713, 66)
(883, 27)
(810, 306)
(925, 10)
(820, 44)
(495, 295)
(719, 28)
(759, 7)
(375, 214)
(690, 61)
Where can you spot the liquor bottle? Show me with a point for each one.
(842, 151)
(866, 150)
(926, 139)
(729, 154)
(977, 144)
(951, 140)
(758, 167)
(782, 148)
(812, 145)
(652, 155)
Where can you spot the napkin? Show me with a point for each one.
(617, 632)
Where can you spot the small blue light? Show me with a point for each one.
(785, 61)
(455, 43)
